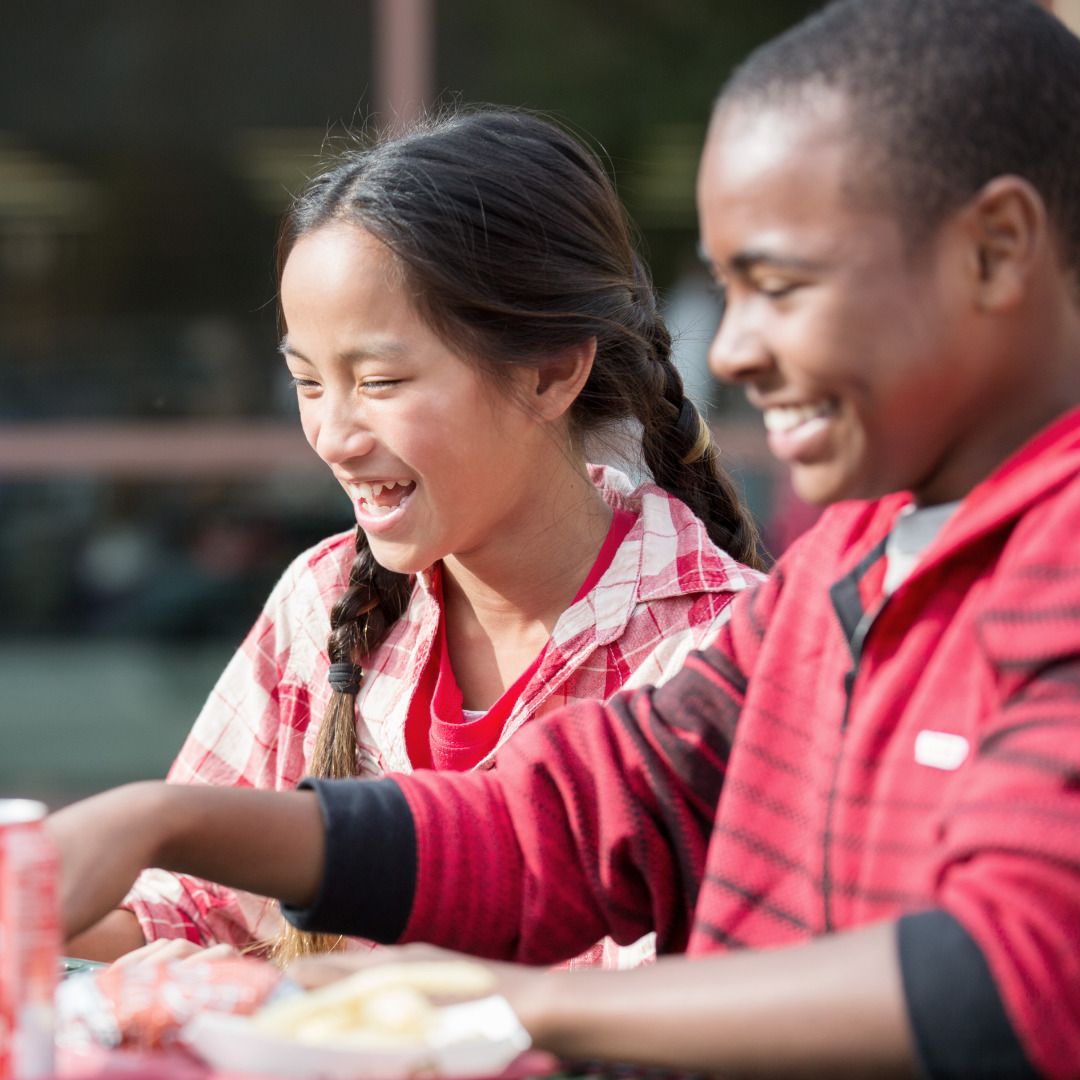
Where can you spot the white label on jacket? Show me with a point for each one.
(940, 749)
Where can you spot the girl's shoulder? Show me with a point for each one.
(317, 576)
(668, 548)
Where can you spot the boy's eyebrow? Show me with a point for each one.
(744, 262)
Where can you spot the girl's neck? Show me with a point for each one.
(528, 578)
(501, 610)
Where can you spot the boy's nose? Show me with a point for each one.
(738, 351)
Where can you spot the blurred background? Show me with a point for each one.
(153, 478)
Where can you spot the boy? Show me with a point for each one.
(858, 811)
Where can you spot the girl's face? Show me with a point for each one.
(434, 458)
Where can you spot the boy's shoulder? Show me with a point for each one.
(846, 532)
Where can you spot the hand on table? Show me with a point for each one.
(175, 951)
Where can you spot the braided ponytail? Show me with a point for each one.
(680, 452)
(676, 441)
(359, 622)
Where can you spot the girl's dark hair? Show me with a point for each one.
(514, 246)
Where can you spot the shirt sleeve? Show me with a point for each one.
(957, 1018)
(1010, 842)
(250, 733)
(513, 862)
(594, 822)
(370, 816)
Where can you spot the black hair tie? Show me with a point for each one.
(345, 677)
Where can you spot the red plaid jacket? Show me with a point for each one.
(666, 591)
(827, 762)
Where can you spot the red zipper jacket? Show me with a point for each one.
(829, 761)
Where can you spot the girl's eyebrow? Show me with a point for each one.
(376, 350)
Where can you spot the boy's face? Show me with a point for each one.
(857, 350)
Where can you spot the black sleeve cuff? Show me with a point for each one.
(370, 877)
(958, 1020)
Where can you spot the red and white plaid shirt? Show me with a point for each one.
(665, 593)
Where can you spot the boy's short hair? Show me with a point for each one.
(944, 96)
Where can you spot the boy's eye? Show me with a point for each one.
(774, 287)
(379, 384)
(299, 383)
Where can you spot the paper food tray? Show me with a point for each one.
(475, 1039)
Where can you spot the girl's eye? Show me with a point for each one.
(377, 385)
(302, 384)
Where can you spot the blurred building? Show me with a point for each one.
(153, 479)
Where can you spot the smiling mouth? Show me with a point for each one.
(782, 419)
(383, 497)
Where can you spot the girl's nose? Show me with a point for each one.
(340, 434)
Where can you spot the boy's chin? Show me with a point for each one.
(822, 486)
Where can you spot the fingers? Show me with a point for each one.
(216, 952)
(175, 951)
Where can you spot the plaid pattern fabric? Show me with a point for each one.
(665, 592)
(804, 775)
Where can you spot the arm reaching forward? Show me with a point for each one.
(268, 842)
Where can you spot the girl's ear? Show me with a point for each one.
(1008, 229)
(556, 383)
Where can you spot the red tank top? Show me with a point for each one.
(437, 733)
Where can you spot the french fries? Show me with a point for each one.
(386, 1004)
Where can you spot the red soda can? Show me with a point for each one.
(29, 940)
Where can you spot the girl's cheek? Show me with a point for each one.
(310, 428)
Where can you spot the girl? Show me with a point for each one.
(465, 320)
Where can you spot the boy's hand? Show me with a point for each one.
(520, 985)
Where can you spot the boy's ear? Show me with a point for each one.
(1008, 230)
(559, 380)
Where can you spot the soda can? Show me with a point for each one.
(29, 940)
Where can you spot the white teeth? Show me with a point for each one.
(378, 511)
(369, 492)
(789, 417)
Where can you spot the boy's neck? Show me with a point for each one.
(1042, 342)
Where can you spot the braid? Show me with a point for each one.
(375, 599)
(359, 622)
(677, 444)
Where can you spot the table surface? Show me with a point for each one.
(130, 1065)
